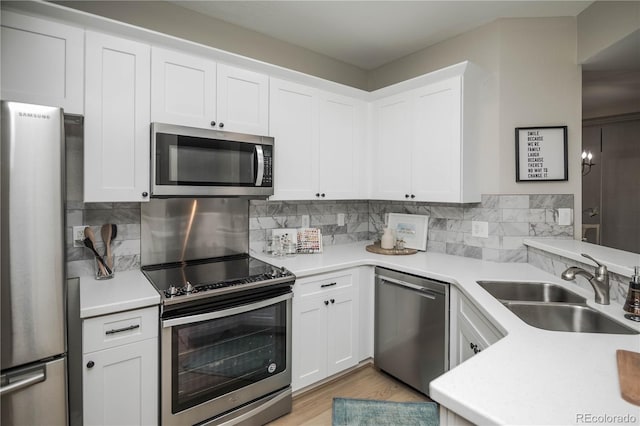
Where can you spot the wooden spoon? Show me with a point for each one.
(108, 235)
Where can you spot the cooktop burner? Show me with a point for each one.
(197, 279)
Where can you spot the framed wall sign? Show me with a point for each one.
(541, 154)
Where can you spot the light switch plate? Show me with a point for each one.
(565, 216)
(479, 229)
(340, 219)
(305, 221)
(78, 236)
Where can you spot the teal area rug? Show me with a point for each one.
(367, 412)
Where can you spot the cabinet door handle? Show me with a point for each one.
(213, 123)
(413, 196)
(333, 301)
(406, 195)
(221, 125)
(120, 330)
(328, 285)
(326, 303)
(322, 195)
(90, 364)
(145, 194)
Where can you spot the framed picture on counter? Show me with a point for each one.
(541, 154)
(412, 228)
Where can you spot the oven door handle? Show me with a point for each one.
(226, 312)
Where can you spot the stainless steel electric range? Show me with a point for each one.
(225, 321)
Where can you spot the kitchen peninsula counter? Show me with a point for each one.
(531, 376)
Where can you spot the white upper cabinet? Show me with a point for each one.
(183, 89)
(243, 100)
(436, 151)
(392, 167)
(198, 92)
(318, 143)
(425, 141)
(117, 136)
(294, 125)
(340, 151)
(42, 62)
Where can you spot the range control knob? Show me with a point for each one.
(172, 291)
(188, 287)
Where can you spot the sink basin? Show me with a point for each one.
(530, 292)
(552, 307)
(567, 317)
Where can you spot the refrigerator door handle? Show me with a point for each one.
(29, 379)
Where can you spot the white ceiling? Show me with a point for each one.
(368, 34)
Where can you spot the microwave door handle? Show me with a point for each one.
(259, 158)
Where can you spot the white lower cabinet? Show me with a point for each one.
(120, 368)
(471, 331)
(325, 326)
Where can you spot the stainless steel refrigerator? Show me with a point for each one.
(33, 378)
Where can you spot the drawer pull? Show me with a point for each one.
(120, 330)
(328, 285)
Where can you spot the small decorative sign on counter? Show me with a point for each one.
(541, 154)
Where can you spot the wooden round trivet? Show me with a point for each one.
(375, 248)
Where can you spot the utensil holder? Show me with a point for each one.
(101, 271)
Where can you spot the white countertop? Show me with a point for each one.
(618, 261)
(531, 376)
(126, 290)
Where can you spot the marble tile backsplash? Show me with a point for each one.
(555, 264)
(267, 215)
(511, 219)
(125, 246)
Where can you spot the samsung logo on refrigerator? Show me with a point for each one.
(34, 115)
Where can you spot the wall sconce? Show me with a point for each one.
(586, 162)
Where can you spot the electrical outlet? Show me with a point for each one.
(479, 229)
(340, 219)
(305, 221)
(78, 236)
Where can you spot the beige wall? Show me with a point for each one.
(603, 24)
(170, 19)
(532, 64)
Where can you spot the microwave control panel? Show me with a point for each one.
(267, 179)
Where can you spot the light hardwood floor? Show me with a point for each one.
(313, 408)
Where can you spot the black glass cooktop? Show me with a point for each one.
(178, 282)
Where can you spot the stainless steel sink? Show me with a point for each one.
(567, 317)
(530, 292)
(552, 307)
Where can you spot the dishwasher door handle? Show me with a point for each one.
(422, 290)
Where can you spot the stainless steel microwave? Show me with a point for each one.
(191, 162)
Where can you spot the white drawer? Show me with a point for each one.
(323, 282)
(118, 329)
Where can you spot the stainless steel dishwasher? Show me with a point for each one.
(411, 327)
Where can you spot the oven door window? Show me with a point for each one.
(186, 160)
(212, 358)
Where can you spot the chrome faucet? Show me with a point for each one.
(599, 281)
